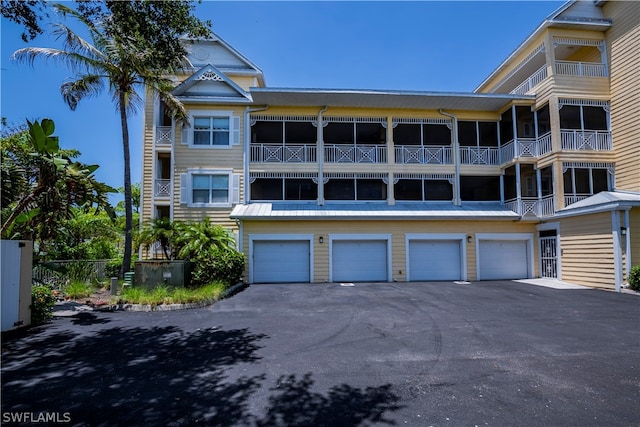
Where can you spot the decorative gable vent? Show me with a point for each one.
(209, 75)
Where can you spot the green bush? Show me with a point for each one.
(113, 268)
(225, 266)
(634, 278)
(42, 302)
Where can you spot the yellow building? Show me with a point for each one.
(535, 174)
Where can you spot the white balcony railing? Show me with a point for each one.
(532, 206)
(479, 156)
(578, 139)
(164, 135)
(423, 154)
(531, 82)
(570, 199)
(544, 143)
(162, 188)
(584, 69)
(342, 153)
(277, 153)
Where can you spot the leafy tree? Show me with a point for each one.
(27, 13)
(86, 235)
(41, 183)
(122, 55)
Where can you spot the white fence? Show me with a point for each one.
(90, 270)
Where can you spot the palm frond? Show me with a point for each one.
(85, 86)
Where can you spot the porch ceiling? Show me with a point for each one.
(384, 99)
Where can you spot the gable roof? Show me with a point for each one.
(575, 14)
(227, 58)
(211, 84)
(602, 202)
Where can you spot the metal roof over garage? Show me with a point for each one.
(384, 99)
(355, 211)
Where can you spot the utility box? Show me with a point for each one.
(149, 274)
(17, 266)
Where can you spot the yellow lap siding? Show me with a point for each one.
(398, 230)
(586, 248)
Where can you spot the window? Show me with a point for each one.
(284, 189)
(355, 189)
(479, 188)
(212, 129)
(585, 181)
(209, 188)
(423, 189)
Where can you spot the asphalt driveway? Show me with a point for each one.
(440, 354)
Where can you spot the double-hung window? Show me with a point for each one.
(205, 188)
(210, 189)
(211, 129)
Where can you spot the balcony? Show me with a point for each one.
(526, 148)
(579, 139)
(531, 82)
(582, 69)
(342, 153)
(164, 136)
(278, 153)
(406, 154)
(570, 199)
(162, 188)
(532, 206)
(479, 156)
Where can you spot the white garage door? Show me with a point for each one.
(503, 259)
(359, 261)
(434, 260)
(281, 261)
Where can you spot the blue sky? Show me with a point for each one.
(420, 45)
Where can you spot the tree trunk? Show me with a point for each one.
(128, 227)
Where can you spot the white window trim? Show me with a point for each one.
(284, 237)
(385, 237)
(188, 188)
(454, 237)
(234, 128)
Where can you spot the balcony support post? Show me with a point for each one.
(518, 183)
(516, 145)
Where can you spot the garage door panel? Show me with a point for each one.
(431, 260)
(359, 261)
(281, 261)
(503, 259)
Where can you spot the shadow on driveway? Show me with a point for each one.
(163, 375)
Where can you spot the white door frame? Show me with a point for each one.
(298, 237)
(507, 236)
(459, 237)
(385, 237)
(551, 226)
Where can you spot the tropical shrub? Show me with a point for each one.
(42, 302)
(634, 278)
(225, 266)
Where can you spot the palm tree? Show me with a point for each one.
(203, 239)
(117, 64)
